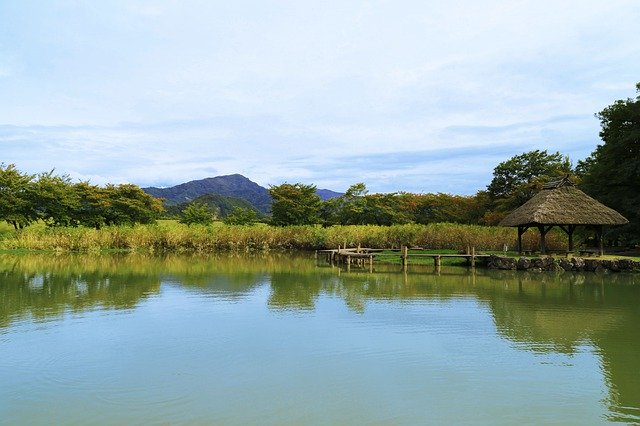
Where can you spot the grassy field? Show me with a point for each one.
(171, 236)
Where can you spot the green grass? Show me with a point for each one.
(169, 235)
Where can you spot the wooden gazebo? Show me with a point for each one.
(561, 204)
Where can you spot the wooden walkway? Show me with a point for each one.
(365, 256)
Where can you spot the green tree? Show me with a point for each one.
(128, 204)
(353, 209)
(441, 207)
(517, 179)
(93, 205)
(611, 174)
(241, 216)
(294, 204)
(15, 205)
(54, 199)
(197, 213)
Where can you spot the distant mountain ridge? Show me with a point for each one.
(234, 185)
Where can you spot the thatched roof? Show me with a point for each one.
(560, 203)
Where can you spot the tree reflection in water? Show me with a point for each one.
(541, 312)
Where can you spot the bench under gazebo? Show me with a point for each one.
(561, 204)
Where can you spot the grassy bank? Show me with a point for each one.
(175, 237)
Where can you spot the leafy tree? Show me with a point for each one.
(54, 200)
(93, 204)
(128, 204)
(241, 216)
(517, 179)
(440, 207)
(611, 173)
(294, 204)
(15, 205)
(352, 206)
(197, 213)
(383, 209)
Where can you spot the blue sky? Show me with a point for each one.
(421, 96)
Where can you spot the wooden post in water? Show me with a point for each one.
(473, 257)
(370, 263)
(437, 262)
(405, 258)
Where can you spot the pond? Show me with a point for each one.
(276, 339)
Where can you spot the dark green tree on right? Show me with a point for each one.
(611, 174)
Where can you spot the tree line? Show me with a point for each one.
(57, 201)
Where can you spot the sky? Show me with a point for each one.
(419, 96)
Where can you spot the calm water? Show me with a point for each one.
(271, 340)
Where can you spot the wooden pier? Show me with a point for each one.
(365, 256)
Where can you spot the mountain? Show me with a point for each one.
(236, 186)
(327, 194)
(231, 185)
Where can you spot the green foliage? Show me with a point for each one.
(197, 213)
(93, 203)
(517, 179)
(240, 216)
(358, 207)
(56, 201)
(15, 204)
(611, 174)
(128, 205)
(221, 204)
(435, 208)
(294, 204)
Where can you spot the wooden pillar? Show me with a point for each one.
(405, 258)
(600, 238)
(572, 228)
(543, 232)
(569, 231)
(521, 230)
(473, 257)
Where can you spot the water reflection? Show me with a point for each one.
(536, 312)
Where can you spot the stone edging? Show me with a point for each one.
(563, 264)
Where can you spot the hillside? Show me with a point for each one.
(236, 186)
(221, 204)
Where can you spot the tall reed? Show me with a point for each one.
(176, 237)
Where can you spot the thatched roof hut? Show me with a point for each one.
(561, 204)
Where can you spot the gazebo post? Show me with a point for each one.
(521, 230)
(543, 248)
(543, 232)
(571, 229)
(599, 238)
